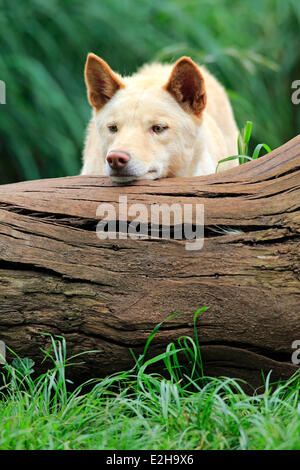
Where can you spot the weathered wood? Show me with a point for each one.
(56, 276)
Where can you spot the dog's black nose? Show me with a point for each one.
(117, 159)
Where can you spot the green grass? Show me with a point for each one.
(251, 47)
(139, 409)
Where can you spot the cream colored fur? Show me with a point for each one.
(192, 144)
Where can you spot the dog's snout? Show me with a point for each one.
(117, 159)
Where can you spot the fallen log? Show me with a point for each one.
(57, 276)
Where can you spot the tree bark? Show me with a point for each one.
(57, 276)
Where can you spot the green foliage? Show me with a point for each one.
(140, 409)
(243, 146)
(252, 47)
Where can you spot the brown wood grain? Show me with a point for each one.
(56, 275)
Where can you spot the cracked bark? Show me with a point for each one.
(56, 276)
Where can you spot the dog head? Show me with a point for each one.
(148, 122)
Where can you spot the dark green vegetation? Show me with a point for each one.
(252, 47)
(138, 409)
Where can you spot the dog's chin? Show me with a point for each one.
(151, 175)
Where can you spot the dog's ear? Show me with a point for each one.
(186, 85)
(102, 83)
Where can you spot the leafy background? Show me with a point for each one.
(252, 47)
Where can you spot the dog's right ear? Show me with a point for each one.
(102, 83)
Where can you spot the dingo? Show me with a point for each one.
(162, 121)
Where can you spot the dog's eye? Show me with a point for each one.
(113, 128)
(158, 128)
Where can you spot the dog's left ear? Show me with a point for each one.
(102, 83)
(186, 85)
